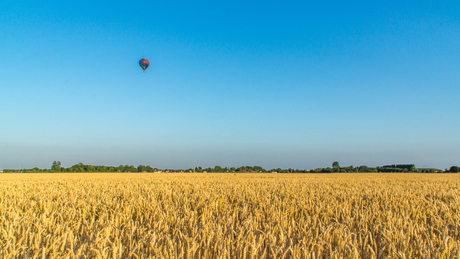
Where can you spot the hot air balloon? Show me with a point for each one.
(144, 63)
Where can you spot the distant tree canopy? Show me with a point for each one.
(56, 166)
(336, 168)
(80, 167)
(403, 168)
(430, 170)
(454, 169)
(365, 169)
(220, 169)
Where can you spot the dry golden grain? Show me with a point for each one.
(229, 215)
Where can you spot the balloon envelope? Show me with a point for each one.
(144, 63)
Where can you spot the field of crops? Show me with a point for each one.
(229, 215)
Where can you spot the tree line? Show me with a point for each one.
(80, 168)
(56, 167)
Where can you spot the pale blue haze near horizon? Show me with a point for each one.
(290, 84)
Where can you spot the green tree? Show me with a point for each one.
(327, 170)
(336, 166)
(89, 168)
(144, 168)
(56, 166)
(129, 168)
(363, 169)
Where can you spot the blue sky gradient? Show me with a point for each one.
(296, 84)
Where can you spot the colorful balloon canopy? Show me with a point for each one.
(144, 63)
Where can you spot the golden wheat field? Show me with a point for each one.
(229, 215)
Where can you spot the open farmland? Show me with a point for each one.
(229, 215)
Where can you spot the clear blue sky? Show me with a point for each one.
(295, 84)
